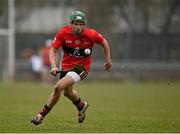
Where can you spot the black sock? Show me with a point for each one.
(79, 104)
(45, 110)
(76, 103)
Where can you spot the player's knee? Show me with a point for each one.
(68, 94)
(57, 89)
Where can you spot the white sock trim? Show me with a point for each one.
(74, 76)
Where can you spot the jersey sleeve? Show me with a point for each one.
(97, 37)
(57, 41)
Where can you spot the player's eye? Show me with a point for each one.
(76, 24)
(80, 24)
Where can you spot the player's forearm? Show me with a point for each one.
(106, 49)
(53, 57)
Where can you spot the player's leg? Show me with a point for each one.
(81, 106)
(71, 94)
(67, 80)
(58, 88)
(53, 98)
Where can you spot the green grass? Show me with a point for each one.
(114, 107)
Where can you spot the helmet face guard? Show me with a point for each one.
(78, 16)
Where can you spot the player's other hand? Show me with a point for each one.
(54, 71)
(108, 65)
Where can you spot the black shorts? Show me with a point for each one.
(80, 70)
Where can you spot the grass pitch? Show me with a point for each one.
(114, 107)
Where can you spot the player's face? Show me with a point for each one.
(78, 27)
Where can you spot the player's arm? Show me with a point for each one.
(55, 45)
(107, 55)
(53, 60)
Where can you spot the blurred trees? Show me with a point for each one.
(150, 16)
(173, 9)
(3, 13)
